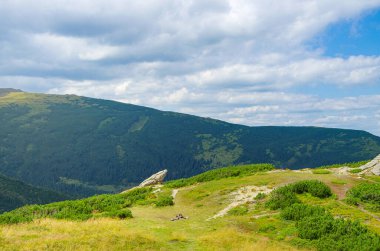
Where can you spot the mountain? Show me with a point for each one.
(85, 146)
(15, 194)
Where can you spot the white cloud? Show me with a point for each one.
(243, 61)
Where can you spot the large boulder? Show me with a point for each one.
(372, 167)
(155, 179)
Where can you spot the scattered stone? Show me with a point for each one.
(155, 179)
(179, 217)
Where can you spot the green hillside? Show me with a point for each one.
(15, 194)
(85, 146)
(250, 207)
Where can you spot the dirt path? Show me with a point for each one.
(361, 208)
(174, 193)
(242, 196)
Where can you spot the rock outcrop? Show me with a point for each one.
(372, 167)
(155, 179)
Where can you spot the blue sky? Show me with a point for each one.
(290, 62)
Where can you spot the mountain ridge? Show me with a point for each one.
(83, 146)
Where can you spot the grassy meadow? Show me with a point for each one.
(257, 227)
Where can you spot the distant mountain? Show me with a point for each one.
(15, 194)
(5, 91)
(83, 146)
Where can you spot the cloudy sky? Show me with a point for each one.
(254, 62)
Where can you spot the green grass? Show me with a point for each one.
(321, 171)
(355, 170)
(251, 226)
(339, 182)
(239, 210)
(349, 164)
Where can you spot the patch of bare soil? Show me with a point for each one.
(243, 195)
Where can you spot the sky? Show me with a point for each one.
(252, 62)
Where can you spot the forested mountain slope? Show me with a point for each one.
(83, 146)
(15, 194)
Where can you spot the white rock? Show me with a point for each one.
(372, 167)
(155, 179)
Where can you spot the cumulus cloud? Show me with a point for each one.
(245, 61)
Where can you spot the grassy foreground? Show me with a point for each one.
(250, 226)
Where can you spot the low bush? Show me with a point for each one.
(285, 196)
(317, 227)
(327, 233)
(314, 187)
(298, 211)
(281, 198)
(365, 192)
(120, 214)
(220, 173)
(101, 205)
(164, 201)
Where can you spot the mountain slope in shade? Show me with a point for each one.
(84, 146)
(15, 194)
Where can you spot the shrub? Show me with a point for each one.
(299, 211)
(164, 201)
(103, 205)
(314, 187)
(315, 227)
(285, 196)
(328, 233)
(121, 214)
(365, 192)
(281, 198)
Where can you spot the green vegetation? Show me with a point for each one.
(82, 146)
(365, 193)
(285, 196)
(356, 170)
(349, 164)
(97, 206)
(317, 227)
(321, 171)
(220, 173)
(239, 210)
(327, 233)
(299, 211)
(309, 217)
(15, 194)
